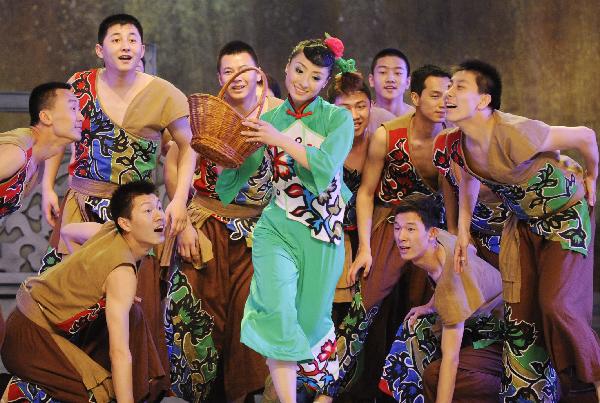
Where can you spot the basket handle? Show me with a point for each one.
(261, 100)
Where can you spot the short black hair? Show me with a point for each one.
(347, 83)
(118, 19)
(121, 202)
(418, 77)
(42, 97)
(390, 52)
(316, 52)
(234, 48)
(487, 77)
(426, 207)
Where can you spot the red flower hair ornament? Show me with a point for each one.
(335, 45)
(337, 48)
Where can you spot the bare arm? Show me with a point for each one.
(50, 206)
(12, 159)
(120, 293)
(451, 206)
(583, 140)
(370, 177)
(76, 234)
(170, 170)
(176, 212)
(451, 341)
(467, 197)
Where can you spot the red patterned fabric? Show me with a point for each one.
(83, 318)
(399, 177)
(12, 190)
(205, 178)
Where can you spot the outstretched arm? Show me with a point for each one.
(76, 234)
(176, 211)
(170, 170)
(451, 341)
(467, 197)
(450, 205)
(120, 292)
(50, 206)
(370, 177)
(583, 140)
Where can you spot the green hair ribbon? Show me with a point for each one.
(346, 65)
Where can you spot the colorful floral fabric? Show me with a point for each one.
(192, 354)
(528, 372)
(351, 336)
(539, 201)
(256, 192)
(488, 218)
(20, 391)
(400, 177)
(106, 152)
(417, 346)
(322, 213)
(323, 370)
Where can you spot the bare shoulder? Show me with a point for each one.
(378, 143)
(12, 159)
(122, 276)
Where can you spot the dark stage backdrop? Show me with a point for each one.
(548, 51)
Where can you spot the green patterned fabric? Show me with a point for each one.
(192, 353)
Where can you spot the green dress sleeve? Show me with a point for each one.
(327, 161)
(231, 180)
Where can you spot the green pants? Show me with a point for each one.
(288, 310)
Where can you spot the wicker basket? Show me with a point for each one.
(216, 126)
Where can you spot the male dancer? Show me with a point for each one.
(214, 258)
(546, 255)
(124, 112)
(55, 121)
(77, 333)
(390, 78)
(463, 361)
(399, 163)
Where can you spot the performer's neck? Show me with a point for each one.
(396, 106)
(46, 143)
(138, 250)
(432, 261)
(242, 106)
(118, 79)
(478, 127)
(423, 128)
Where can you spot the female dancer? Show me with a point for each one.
(298, 250)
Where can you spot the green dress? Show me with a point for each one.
(298, 250)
